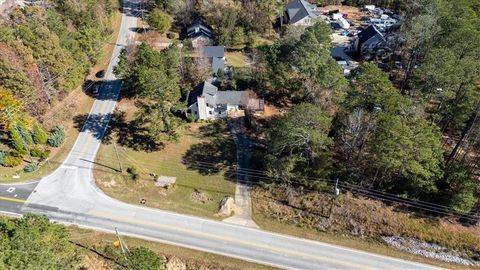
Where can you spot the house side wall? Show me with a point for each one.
(307, 21)
(201, 41)
(193, 110)
(202, 108)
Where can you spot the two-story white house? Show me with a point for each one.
(205, 101)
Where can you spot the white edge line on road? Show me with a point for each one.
(10, 214)
(172, 243)
(16, 215)
(21, 183)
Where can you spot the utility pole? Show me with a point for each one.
(123, 246)
(336, 191)
(118, 158)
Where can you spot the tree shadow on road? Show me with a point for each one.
(126, 133)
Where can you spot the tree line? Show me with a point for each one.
(46, 52)
(418, 141)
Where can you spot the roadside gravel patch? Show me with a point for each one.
(428, 250)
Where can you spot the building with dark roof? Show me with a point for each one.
(199, 33)
(300, 12)
(368, 41)
(205, 101)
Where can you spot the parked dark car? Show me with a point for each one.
(100, 74)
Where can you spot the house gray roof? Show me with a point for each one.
(215, 98)
(231, 97)
(217, 64)
(199, 28)
(216, 55)
(297, 10)
(213, 51)
(206, 89)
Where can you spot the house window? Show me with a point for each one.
(210, 112)
(189, 111)
(195, 112)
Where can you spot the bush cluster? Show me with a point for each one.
(133, 172)
(39, 153)
(31, 167)
(57, 137)
(39, 135)
(12, 161)
(3, 156)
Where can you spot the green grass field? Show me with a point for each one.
(165, 162)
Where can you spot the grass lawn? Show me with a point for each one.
(77, 103)
(194, 259)
(166, 162)
(236, 59)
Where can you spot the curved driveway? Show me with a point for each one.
(69, 195)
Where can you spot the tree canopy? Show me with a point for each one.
(32, 242)
(159, 20)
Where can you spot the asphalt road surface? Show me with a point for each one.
(69, 195)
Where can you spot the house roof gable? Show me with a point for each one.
(199, 28)
(297, 10)
(369, 33)
(205, 89)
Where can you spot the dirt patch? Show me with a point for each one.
(271, 110)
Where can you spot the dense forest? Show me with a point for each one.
(420, 141)
(45, 52)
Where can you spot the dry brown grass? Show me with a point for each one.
(361, 221)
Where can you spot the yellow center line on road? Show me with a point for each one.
(228, 239)
(12, 199)
(89, 139)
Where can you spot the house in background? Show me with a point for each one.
(368, 41)
(216, 56)
(199, 33)
(205, 101)
(300, 12)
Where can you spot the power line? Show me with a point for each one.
(231, 171)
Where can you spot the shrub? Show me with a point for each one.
(170, 35)
(39, 135)
(159, 20)
(12, 161)
(31, 167)
(57, 137)
(39, 153)
(26, 135)
(133, 172)
(17, 140)
(3, 156)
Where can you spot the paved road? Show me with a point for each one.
(69, 195)
(13, 196)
